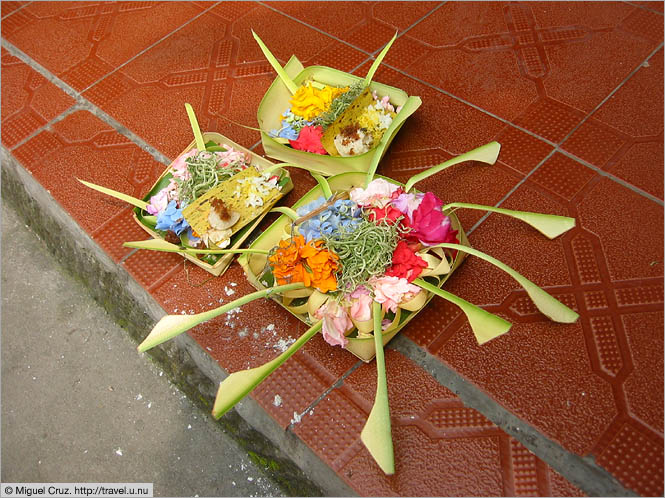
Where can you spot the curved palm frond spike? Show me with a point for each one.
(549, 306)
(550, 225)
(378, 60)
(172, 325)
(118, 195)
(287, 211)
(198, 138)
(286, 79)
(164, 246)
(237, 385)
(376, 435)
(485, 325)
(487, 153)
(323, 183)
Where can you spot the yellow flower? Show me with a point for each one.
(308, 101)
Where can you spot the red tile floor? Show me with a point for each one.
(574, 93)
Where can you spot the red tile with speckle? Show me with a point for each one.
(82, 146)
(93, 38)
(582, 75)
(29, 100)
(462, 452)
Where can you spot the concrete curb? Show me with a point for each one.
(282, 455)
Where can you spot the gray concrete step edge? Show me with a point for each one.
(284, 457)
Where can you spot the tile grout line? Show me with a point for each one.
(336, 385)
(579, 470)
(13, 11)
(610, 95)
(117, 68)
(644, 8)
(82, 104)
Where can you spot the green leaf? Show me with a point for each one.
(198, 138)
(172, 325)
(237, 385)
(485, 325)
(548, 305)
(377, 62)
(276, 65)
(376, 435)
(409, 107)
(164, 246)
(487, 153)
(118, 195)
(550, 225)
(286, 211)
(327, 193)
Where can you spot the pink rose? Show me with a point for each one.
(179, 169)
(361, 304)
(336, 323)
(391, 291)
(378, 193)
(309, 140)
(160, 200)
(430, 226)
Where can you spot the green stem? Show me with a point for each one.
(376, 435)
(172, 325)
(485, 325)
(377, 62)
(198, 138)
(325, 187)
(237, 385)
(286, 211)
(548, 305)
(550, 225)
(164, 246)
(488, 153)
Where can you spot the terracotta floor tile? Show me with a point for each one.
(466, 453)
(217, 67)
(637, 107)
(29, 101)
(368, 26)
(82, 146)
(580, 368)
(520, 150)
(562, 176)
(7, 8)
(649, 174)
(93, 38)
(596, 142)
(122, 228)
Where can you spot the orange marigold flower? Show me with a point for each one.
(310, 263)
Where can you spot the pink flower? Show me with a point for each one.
(389, 214)
(391, 291)
(408, 203)
(361, 304)
(378, 193)
(309, 140)
(430, 226)
(336, 323)
(179, 168)
(161, 199)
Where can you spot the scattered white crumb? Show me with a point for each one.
(229, 291)
(278, 400)
(296, 418)
(189, 426)
(118, 452)
(139, 397)
(270, 327)
(232, 284)
(283, 344)
(250, 479)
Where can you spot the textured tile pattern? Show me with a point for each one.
(572, 90)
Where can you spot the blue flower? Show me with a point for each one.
(172, 219)
(343, 213)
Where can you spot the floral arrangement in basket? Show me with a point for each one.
(356, 258)
(211, 197)
(330, 120)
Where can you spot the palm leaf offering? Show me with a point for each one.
(329, 120)
(210, 198)
(356, 258)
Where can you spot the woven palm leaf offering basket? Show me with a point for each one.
(356, 258)
(329, 121)
(211, 197)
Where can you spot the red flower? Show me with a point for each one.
(389, 213)
(430, 226)
(309, 140)
(406, 263)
